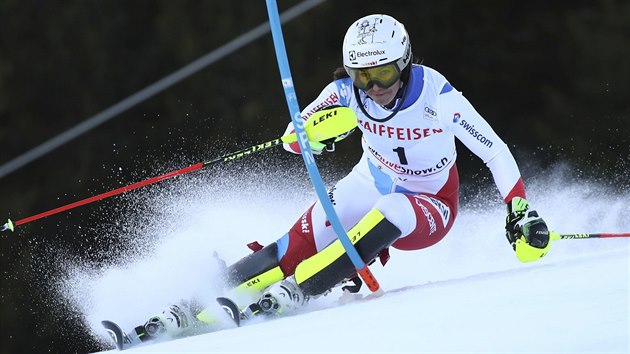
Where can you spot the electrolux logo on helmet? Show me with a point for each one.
(369, 53)
(353, 55)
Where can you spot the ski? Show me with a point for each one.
(240, 314)
(237, 314)
(115, 332)
(121, 339)
(231, 309)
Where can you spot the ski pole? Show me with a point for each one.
(557, 236)
(321, 126)
(10, 225)
(307, 154)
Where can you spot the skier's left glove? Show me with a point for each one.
(526, 231)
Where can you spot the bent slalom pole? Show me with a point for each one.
(557, 236)
(307, 154)
(320, 127)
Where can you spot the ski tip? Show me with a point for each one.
(115, 332)
(108, 323)
(231, 309)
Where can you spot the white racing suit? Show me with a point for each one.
(407, 170)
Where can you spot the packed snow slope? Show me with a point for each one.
(466, 294)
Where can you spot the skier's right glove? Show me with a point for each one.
(526, 231)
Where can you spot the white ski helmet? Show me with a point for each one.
(373, 41)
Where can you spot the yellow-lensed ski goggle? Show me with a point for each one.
(384, 76)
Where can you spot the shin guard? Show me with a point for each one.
(256, 271)
(248, 277)
(321, 272)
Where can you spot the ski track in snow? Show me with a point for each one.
(466, 294)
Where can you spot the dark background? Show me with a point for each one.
(551, 77)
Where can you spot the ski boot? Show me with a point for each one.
(278, 299)
(172, 321)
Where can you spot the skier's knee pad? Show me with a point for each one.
(256, 271)
(370, 236)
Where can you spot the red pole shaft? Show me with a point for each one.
(121, 190)
(229, 157)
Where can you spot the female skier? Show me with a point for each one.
(403, 193)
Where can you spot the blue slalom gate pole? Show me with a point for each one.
(307, 154)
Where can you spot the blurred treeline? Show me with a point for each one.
(551, 77)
